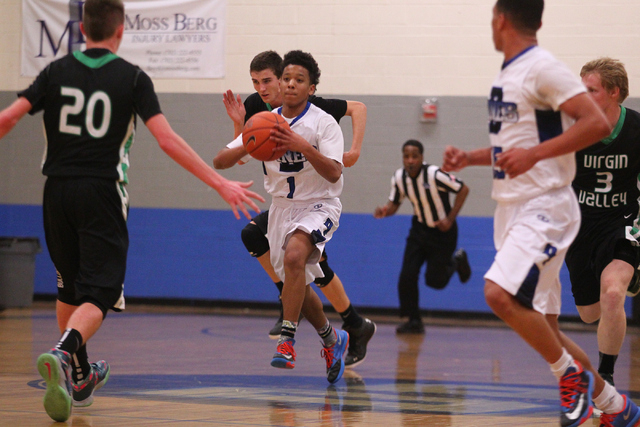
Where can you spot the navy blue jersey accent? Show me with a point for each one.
(291, 167)
(528, 288)
(549, 124)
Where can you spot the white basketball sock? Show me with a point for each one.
(560, 367)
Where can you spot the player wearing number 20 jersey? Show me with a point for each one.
(90, 101)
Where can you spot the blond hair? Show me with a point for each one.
(612, 75)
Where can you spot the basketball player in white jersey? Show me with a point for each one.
(305, 185)
(532, 105)
(265, 70)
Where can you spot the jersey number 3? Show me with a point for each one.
(77, 106)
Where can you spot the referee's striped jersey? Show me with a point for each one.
(428, 192)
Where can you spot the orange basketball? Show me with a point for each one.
(256, 136)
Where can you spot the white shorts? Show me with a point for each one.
(320, 219)
(532, 238)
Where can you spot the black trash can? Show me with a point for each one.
(17, 270)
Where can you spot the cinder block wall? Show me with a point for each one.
(389, 55)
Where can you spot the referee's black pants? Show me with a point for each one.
(433, 247)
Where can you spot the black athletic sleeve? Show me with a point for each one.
(145, 100)
(254, 105)
(36, 93)
(335, 107)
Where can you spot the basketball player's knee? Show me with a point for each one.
(586, 318)
(98, 304)
(321, 282)
(436, 280)
(254, 240)
(294, 259)
(589, 313)
(497, 298)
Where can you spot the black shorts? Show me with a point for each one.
(86, 233)
(597, 244)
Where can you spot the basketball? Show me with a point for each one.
(256, 136)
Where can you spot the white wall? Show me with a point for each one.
(387, 47)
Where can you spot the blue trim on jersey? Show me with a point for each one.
(506, 63)
(299, 116)
(549, 124)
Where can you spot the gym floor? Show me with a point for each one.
(207, 367)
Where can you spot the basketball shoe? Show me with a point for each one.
(335, 355)
(629, 416)
(274, 333)
(462, 265)
(411, 326)
(83, 391)
(55, 368)
(358, 340)
(285, 356)
(576, 386)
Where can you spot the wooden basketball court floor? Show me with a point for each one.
(198, 367)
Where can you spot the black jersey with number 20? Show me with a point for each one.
(90, 101)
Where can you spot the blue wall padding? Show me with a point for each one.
(198, 255)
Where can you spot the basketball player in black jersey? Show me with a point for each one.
(90, 101)
(265, 70)
(603, 259)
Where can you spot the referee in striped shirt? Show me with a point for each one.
(434, 232)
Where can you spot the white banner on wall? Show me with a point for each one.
(166, 38)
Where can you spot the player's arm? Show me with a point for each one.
(11, 115)
(234, 193)
(455, 159)
(590, 126)
(235, 110)
(386, 210)
(358, 113)
(446, 223)
(228, 157)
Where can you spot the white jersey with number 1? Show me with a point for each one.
(291, 176)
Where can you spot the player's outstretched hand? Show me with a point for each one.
(236, 194)
(454, 159)
(235, 107)
(515, 161)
